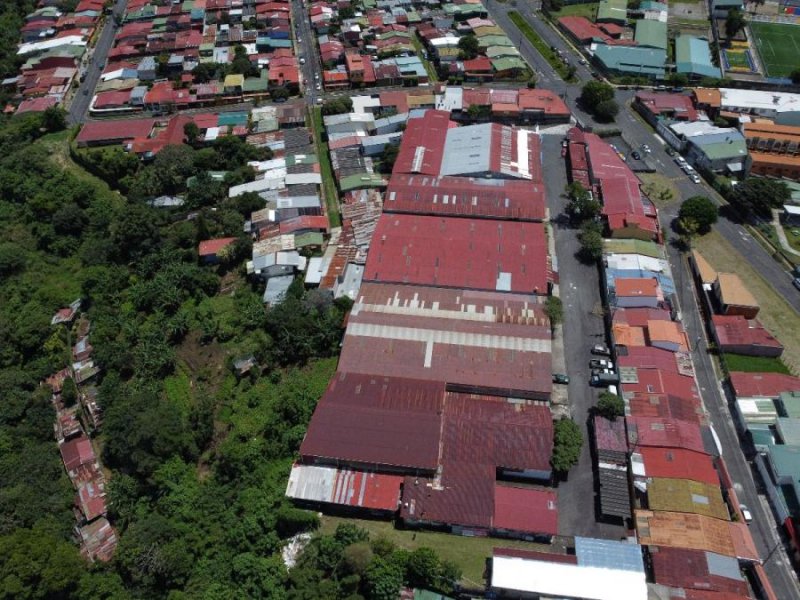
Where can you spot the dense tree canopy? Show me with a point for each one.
(759, 195)
(698, 213)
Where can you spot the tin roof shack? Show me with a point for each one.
(479, 342)
(686, 496)
(655, 432)
(637, 293)
(211, 251)
(733, 298)
(600, 570)
(98, 540)
(459, 253)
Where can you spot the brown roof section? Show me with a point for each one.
(689, 569)
(707, 273)
(636, 286)
(686, 496)
(697, 532)
(710, 96)
(377, 421)
(733, 292)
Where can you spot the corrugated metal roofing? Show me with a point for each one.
(609, 554)
(348, 487)
(452, 252)
(466, 197)
(692, 569)
(377, 421)
(679, 464)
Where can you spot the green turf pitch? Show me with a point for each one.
(778, 45)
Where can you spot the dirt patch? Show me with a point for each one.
(205, 362)
(661, 190)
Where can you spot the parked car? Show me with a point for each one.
(696, 178)
(560, 378)
(602, 372)
(748, 516)
(601, 349)
(796, 282)
(680, 161)
(636, 155)
(646, 148)
(600, 363)
(670, 151)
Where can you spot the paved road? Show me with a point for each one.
(311, 71)
(578, 326)
(93, 63)
(583, 327)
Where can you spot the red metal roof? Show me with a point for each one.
(212, 247)
(666, 406)
(677, 463)
(582, 29)
(36, 104)
(542, 100)
(77, 452)
(610, 435)
(678, 105)
(465, 197)
(688, 569)
(638, 316)
(665, 433)
(304, 222)
(92, 499)
(472, 340)
(377, 421)
(648, 357)
(452, 252)
(525, 509)
(114, 131)
(112, 99)
(735, 332)
(763, 385)
(422, 147)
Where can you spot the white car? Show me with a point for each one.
(696, 178)
(748, 516)
(646, 148)
(319, 87)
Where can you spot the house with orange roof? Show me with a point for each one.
(635, 292)
(667, 335)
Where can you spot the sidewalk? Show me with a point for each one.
(776, 222)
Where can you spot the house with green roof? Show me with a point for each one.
(612, 11)
(508, 66)
(494, 40)
(500, 51)
(631, 60)
(693, 57)
(632, 246)
(362, 181)
(651, 34)
(724, 151)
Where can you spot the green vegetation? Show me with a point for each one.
(778, 45)
(198, 458)
(597, 97)
(581, 206)
(588, 10)
(755, 364)
(759, 195)
(698, 214)
(467, 47)
(540, 45)
(469, 554)
(567, 445)
(350, 563)
(610, 406)
(591, 239)
(429, 68)
(734, 22)
(661, 190)
(328, 181)
(554, 309)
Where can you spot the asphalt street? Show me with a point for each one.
(311, 71)
(582, 328)
(94, 61)
(579, 285)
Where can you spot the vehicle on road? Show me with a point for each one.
(600, 363)
(85, 91)
(583, 62)
(696, 178)
(748, 516)
(601, 349)
(319, 87)
(636, 155)
(302, 61)
(670, 151)
(601, 372)
(796, 282)
(604, 380)
(646, 148)
(560, 378)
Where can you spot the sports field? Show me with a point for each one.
(778, 46)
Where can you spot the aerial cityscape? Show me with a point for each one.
(400, 299)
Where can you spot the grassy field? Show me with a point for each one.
(432, 78)
(577, 10)
(328, 182)
(778, 46)
(776, 314)
(755, 364)
(737, 59)
(469, 553)
(660, 189)
(540, 45)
